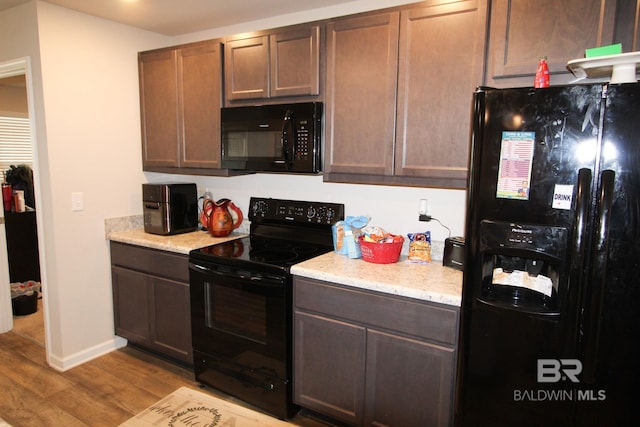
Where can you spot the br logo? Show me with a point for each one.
(555, 370)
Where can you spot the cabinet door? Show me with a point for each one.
(200, 90)
(171, 318)
(295, 62)
(362, 61)
(409, 382)
(247, 68)
(437, 77)
(329, 358)
(158, 104)
(524, 30)
(131, 292)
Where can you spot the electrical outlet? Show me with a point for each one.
(77, 202)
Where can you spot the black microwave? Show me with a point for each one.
(272, 138)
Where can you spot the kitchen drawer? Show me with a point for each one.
(411, 317)
(160, 263)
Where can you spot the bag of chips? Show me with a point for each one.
(419, 246)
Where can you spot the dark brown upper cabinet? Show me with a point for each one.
(524, 30)
(180, 100)
(399, 90)
(281, 63)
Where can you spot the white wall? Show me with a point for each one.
(90, 94)
(393, 208)
(13, 101)
(88, 141)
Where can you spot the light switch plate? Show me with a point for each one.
(77, 202)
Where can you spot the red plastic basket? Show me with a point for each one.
(381, 253)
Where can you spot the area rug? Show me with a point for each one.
(187, 407)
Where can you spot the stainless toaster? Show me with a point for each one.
(454, 253)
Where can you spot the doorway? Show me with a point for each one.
(19, 258)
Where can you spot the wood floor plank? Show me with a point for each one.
(102, 392)
(117, 390)
(24, 372)
(24, 347)
(155, 377)
(90, 406)
(21, 407)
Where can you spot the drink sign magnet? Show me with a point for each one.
(562, 197)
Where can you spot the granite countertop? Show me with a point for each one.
(180, 243)
(130, 229)
(429, 282)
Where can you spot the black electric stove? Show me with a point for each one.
(282, 233)
(241, 301)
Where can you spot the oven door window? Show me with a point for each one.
(236, 313)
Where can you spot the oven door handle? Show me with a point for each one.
(265, 280)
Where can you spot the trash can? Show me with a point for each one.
(24, 297)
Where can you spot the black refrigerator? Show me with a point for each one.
(550, 316)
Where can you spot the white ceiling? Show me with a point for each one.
(175, 17)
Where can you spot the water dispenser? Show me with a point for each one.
(522, 265)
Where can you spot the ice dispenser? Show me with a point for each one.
(522, 266)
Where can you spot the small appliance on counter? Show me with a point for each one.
(170, 208)
(454, 253)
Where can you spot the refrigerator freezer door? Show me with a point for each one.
(611, 344)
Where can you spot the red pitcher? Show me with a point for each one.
(219, 220)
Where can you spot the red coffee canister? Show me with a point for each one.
(7, 196)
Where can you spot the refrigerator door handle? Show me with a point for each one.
(580, 224)
(597, 279)
(578, 245)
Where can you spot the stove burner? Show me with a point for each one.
(273, 244)
(273, 256)
(305, 250)
(297, 247)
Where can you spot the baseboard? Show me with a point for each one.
(66, 363)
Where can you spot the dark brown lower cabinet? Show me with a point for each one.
(151, 300)
(366, 358)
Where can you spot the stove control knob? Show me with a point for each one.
(330, 214)
(311, 212)
(321, 213)
(259, 208)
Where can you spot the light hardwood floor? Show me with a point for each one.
(103, 392)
